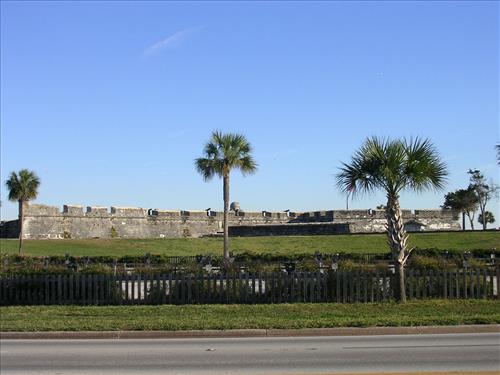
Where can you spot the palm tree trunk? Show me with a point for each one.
(397, 238)
(226, 214)
(21, 226)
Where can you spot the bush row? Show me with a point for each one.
(156, 259)
(416, 262)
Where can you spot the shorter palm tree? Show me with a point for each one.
(489, 218)
(222, 153)
(394, 166)
(23, 187)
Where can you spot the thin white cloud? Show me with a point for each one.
(170, 41)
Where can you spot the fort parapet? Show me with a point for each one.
(76, 221)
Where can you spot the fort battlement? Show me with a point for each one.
(78, 221)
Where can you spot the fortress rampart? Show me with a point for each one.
(49, 222)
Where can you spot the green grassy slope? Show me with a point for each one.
(374, 243)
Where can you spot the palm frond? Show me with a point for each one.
(247, 165)
(393, 165)
(226, 151)
(22, 186)
(205, 167)
(424, 169)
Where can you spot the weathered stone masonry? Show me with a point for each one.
(48, 222)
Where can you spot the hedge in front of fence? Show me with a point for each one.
(263, 262)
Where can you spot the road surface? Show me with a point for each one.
(294, 355)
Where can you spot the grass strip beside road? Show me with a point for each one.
(289, 245)
(223, 317)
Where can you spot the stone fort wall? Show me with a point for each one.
(49, 222)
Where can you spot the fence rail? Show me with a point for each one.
(249, 288)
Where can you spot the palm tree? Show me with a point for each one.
(394, 166)
(222, 153)
(23, 187)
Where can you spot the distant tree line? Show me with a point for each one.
(473, 199)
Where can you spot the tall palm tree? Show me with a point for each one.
(23, 187)
(394, 166)
(222, 153)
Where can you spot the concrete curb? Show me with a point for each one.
(343, 331)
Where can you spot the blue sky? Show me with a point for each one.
(110, 102)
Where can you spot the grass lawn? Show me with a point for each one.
(169, 317)
(372, 243)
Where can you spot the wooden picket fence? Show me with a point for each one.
(243, 288)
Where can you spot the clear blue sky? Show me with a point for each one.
(110, 102)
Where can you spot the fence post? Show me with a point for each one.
(39, 290)
(101, 288)
(3, 297)
(170, 288)
(472, 286)
(357, 285)
(491, 274)
(64, 288)
(221, 287)
(124, 288)
(445, 284)
(215, 288)
(479, 293)
(95, 298)
(59, 289)
(80, 288)
(377, 286)
(88, 288)
(234, 298)
(371, 286)
(28, 287)
(384, 285)
(351, 286)
(465, 285)
(8, 290)
(189, 287)
(16, 288)
(147, 279)
(498, 281)
(457, 283)
(2, 291)
(484, 284)
(410, 278)
(22, 289)
(431, 284)
(183, 288)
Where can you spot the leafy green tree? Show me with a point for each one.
(394, 166)
(465, 201)
(223, 153)
(489, 217)
(484, 191)
(23, 187)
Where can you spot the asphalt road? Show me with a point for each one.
(295, 355)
